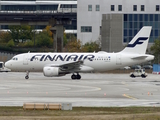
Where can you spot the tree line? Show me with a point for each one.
(25, 36)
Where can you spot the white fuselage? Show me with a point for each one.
(100, 61)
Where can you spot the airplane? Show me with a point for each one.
(60, 64)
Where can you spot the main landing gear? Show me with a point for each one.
(76, 76)
(27, 75)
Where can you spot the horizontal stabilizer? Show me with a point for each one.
(140, 57)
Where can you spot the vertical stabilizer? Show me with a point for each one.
(138, 44)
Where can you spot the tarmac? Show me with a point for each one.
(93, 90)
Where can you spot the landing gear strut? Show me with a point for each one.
(27, 75)
(76, 76)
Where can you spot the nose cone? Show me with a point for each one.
(8, 64)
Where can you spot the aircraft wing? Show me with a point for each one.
(69, 66)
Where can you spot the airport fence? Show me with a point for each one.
(4, 56)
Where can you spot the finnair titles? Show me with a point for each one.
(66, 57)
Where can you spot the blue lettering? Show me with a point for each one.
(89, 57)
(42, 57)
(81, 57)
(34, 57)
(61, 58)
(49, 57)
(72, 57)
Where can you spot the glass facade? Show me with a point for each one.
(134, 22)
(73, 26)
(28, 7)
(68, 6)
(38, 7)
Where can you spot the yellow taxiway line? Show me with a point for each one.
(127, 96)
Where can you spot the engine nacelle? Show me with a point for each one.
(51, 71)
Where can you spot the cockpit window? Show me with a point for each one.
(14, 58)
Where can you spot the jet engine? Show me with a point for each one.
(51, 71)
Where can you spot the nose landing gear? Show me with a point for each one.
(27, 75)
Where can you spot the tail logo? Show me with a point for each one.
(139, 41)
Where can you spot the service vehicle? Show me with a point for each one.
(3, 68)
(138, 73)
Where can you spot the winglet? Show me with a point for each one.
(139, 43)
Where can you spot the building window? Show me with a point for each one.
(97, 8)
(86, 29)
(142, 8)
(134, 7)
(157, 7)
(89, 7)
(112, 7)
(119, 7)
(134, 22)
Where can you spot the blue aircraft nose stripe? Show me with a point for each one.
(139, 41)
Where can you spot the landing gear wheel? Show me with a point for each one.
(132, 75)
(74, 77)
(26, 77)
(143, 76)
(78, 77)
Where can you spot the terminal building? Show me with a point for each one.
(38, 7)
(116, 22)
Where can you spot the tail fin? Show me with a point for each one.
(139, 43)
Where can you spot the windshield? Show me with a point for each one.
(14, 58)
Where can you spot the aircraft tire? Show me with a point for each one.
(78, 77)
(74, 77)
(27, 77)
(132, 76)
(143, 76)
